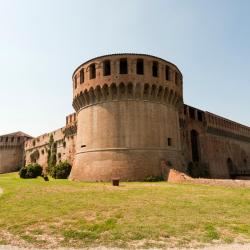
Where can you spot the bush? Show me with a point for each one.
(154, 178)
(31, 171)
(23, 172)
(61, 170)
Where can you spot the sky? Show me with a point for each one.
(43, 41)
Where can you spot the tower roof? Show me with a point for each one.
(18, 134)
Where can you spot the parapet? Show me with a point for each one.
(14, 139)
(126, 76)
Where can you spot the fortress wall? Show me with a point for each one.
(219, 149)
(226, 140)
(11, 158)
(219, 139)
(65, 144)
(11, 151)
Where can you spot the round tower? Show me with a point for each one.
(127, 117)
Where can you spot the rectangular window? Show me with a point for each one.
(75, 82)
(185, 109)
(167, 73)
(92, 71)
(199, 114)
(176, 78)
(169, 141)
(155, 69)
(106, 68)
(81, 76)
(139, 67)
(191, 113)
(123, 66)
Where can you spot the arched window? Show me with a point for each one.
(155, 69)
(245, 162)
(106, 68)
(81, 76)
(230, 167)
(92, 71)
(123, 66)
(195, 146)
(139, 67)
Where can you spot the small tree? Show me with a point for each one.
(52, 150)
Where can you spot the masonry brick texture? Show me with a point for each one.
(129, 118)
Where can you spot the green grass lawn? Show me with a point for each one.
(65, 213)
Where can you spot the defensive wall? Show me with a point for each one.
(12, 151)
(61, 142)
(215, 143)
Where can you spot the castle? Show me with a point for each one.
(130, 117)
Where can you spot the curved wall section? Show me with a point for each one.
(126, 126)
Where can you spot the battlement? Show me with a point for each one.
(219, 122)
(126, 76)
(214, 124)
(71, 119)
(16, 139)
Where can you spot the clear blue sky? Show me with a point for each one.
(43, 41)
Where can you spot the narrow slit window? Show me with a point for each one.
(106, 68)
(123, 66)
(139, 67)
(167, 73)
(176, 78)
(155, 69)
(81, 76)
(199, 114)
(92, 71)
(191, 113)
(169, 141)
(75, 81)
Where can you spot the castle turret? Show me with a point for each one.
(12, 151)
(127, 116)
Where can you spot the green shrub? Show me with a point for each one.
(61, 170)
(31, 171)
(23, 172)
(154, 178)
